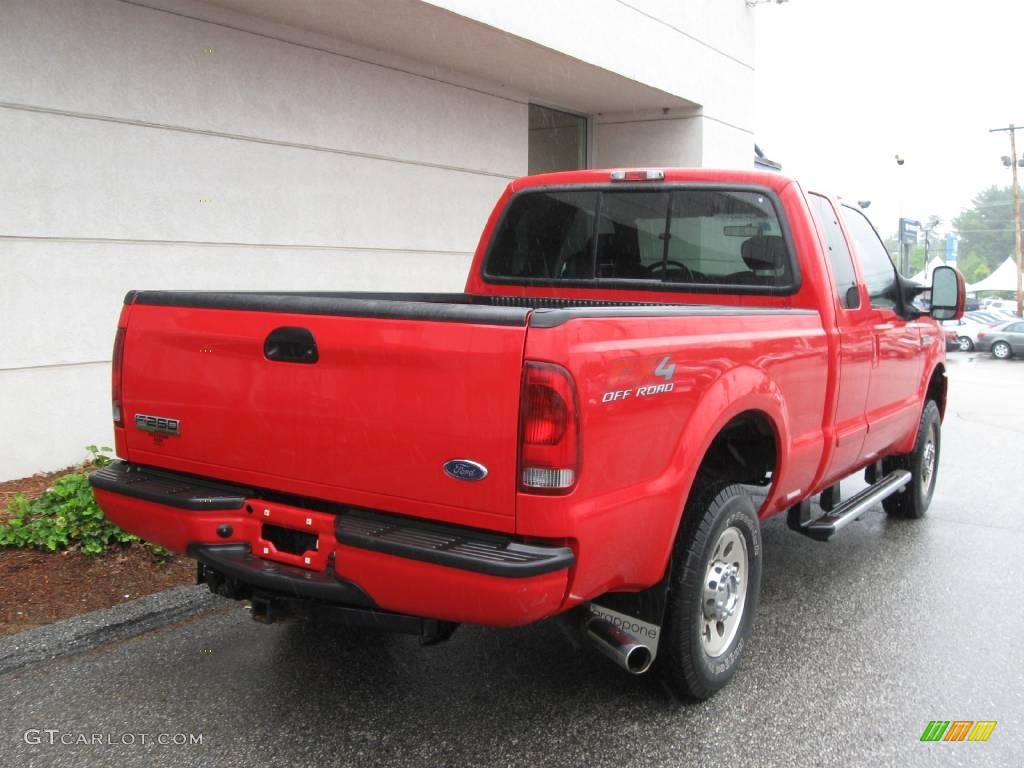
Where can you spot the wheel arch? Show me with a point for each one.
(937, 388)
(754, 425)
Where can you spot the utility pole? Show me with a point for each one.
(903, 263)
(1012, 129)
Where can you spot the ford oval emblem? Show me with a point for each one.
(464, 469)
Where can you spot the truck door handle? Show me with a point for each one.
(884, 327)
(291, 345)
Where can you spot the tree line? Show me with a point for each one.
(986, 235)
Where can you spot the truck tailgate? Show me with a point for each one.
(372, 422)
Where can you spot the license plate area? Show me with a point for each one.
(289, 541)
(294, 536)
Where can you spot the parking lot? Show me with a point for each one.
(859, 643)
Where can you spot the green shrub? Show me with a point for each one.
(66, 515)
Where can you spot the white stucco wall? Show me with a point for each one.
(192, 146)
(648, 139)
(701, 50)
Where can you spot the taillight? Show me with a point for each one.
(549, 440)
(982, 334)
(117, 359)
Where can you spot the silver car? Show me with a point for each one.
(1005, 340)
(966, 329)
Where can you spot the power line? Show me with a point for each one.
(974, 231)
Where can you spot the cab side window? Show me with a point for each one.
(839, 254)
(879, 271)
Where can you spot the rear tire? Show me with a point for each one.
(965, 344)
(923, 462)
(1001, 350)
(714, 586)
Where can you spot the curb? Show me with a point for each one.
(107, 625)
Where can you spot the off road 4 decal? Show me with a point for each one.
(665, 369)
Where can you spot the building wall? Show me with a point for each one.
(701, 50)
(116, 125)
(186, 146)
(648, 139)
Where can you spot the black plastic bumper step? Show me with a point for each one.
(170, 488)
(449, 545)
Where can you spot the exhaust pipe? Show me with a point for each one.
(620, 646)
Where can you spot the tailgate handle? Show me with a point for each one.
(291, 345)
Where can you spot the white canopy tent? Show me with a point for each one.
(1003, 279)
(924, 277)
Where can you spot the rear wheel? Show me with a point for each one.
(1001, 350)
(713, 590)
(923, 462)
(965, 344)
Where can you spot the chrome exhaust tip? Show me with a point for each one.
(619, 645)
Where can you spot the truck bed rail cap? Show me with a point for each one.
(551, 318)
(445, 308)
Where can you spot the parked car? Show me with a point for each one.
(965, 332)
(1005, 340)
(952, 341)
(984, 317)
(1001, 305)
(573, 433)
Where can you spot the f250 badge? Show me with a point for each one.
(665, 369)
(158, 425)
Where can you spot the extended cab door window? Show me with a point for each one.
(843, 273)
(879, 271)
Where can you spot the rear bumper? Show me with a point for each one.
(341, 555)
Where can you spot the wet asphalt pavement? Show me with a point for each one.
(858, 644)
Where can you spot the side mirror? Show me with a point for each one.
(948, 294)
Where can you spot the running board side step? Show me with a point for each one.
(828, 525)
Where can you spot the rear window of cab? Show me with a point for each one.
(711, 240)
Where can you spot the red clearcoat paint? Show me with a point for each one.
(391, 400)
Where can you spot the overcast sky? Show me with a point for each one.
(844, 86)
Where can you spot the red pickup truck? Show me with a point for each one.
(644, 364)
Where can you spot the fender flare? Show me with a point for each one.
(937, 367)
(739, 390)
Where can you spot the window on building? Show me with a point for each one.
(879, 271)
(558, 140)
(838, 252)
